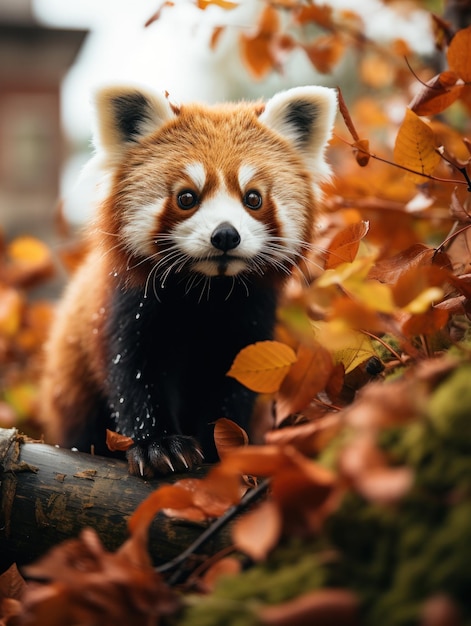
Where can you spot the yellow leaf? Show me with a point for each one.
(415, 147)
(22, 398)
(424, 300)
(359, 351)
(373, 294)
(358, 270)
(349, 347)
(28, 251)
(262, 366)
(11, 310)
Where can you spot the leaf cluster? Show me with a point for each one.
(25, 263)
(367, 516)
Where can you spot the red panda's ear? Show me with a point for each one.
(305, 117)
(127, 114)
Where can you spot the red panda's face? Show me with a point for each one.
(216, 191)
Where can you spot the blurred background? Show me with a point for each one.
(54, 54)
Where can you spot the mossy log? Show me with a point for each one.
(49, 494)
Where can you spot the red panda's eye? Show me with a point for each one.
(187, 199)
(253, 200)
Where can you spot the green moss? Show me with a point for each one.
(393, 557)
(449, 408)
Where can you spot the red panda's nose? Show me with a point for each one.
(225, 237)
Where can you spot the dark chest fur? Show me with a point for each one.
(168, 355)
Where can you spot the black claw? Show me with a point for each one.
(164, 456)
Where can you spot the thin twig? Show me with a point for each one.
(178, 562)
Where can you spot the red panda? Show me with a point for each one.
(207, 210)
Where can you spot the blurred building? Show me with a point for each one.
(33, 62)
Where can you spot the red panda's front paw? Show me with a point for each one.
(164, 456)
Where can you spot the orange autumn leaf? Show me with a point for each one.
(309, 438)
(262, 366)
(306, 378)
(11, 310)
(157, 15)
(437, 94)
(376, 71)
(228, 435)
(116, 442)
(361, 151)
(222, 4)
(390, 270)
(256, 533)
(459, 54)
(415, 147)
(321, 15)
(29, 261)
(227, 566)
(166, 497)
(256, 49)
(215, 36)
(325, 51)
(416, 281)
(344, 246)
(206, 500)
(427, 323)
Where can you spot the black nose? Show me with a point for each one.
(225, 237)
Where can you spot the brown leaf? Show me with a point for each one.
(345, 113)
(437, 94)
(367, 468)
(10, 611)
(459, 53)
(302, 494)
(228, 435)
(309, 438)
(389, 270)
(12, 583)
(416, 280)
(256, 533)
(228, 566)
(458, 209)
(344, 246)
(215, 36)
(157, 15)
(116, 442)
(88, 585)
(166, 497)
(361, 149)
(380, 405)
(427, 323)
(440, 610)
(306, 378)
(326, 607)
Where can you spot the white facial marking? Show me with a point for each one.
(246, 173)
(193, 235)
(197, 173)
(291, 223)
(140, 224)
